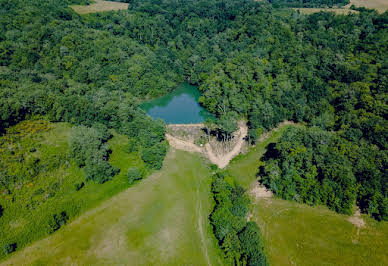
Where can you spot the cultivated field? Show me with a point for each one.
(339, 11)
(161, 220)
(99, 6)
(297, 234)
(380, 5)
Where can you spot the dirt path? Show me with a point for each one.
(183, 145)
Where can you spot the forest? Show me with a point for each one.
(250, 60)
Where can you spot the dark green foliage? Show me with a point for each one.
(240, 241)
(132, 146)
(100, 171)
(1, 211)
(9, 248)
(317, 167)
(134, 174)
(79, 186)
(57, 221)
(153, 156)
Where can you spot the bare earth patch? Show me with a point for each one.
(260, 192)
(221, 159)
(356, 219)
(214, 151)
(99, 6)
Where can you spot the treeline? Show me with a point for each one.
(239, 239)
(314, 166)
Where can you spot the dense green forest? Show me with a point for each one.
(249, 59)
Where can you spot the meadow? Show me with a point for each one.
(99, 6)
(37, 151)
(161, 220)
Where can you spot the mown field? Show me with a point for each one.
(297, 234)
(161, 220)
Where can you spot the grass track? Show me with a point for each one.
(154, 222)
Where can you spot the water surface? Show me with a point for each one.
(178, 107)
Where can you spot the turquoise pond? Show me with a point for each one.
(178, 107)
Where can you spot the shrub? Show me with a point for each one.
(57, 221)
(9, 248)
(100, 172)
(78, 186)
(153, 156)
(134, 174)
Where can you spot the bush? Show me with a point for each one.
(153, 156)
(252, 246)
(78, 186)
(9, 248)
(100, 172)
(57, 221)
(134, 174)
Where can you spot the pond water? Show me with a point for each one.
(178, 107)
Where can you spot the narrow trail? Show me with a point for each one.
(200, 228)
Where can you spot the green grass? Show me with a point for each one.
(302, 235)
(32, 200)
(297, 234)
(160, 220)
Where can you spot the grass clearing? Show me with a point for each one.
(298, 234)
(99, 6)
(304, 235)
(157, 221)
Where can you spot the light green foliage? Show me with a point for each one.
(88, 148)
(134, 174)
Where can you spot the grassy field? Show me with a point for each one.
(99, 6)
(161, 220)
(31, 201)
(297, 234)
